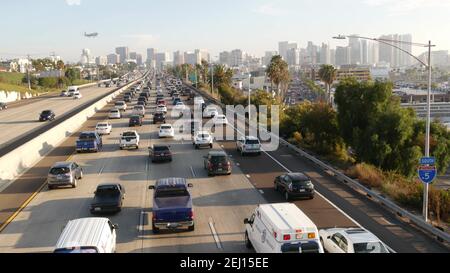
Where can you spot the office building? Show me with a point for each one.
(236, 58)
(225, 58)
(178, 58)
(396, 58)
(268, 57)
(283, 48)
(355, 50)
(343, 54)
(101, 60)
(123, 54)
(113, 58)
(162, 59)
(293, 57)
(151, 55)
(325, 54)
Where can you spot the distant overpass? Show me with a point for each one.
(438, 110)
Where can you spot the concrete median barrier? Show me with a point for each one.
(16, 162)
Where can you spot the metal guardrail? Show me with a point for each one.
(441, 236)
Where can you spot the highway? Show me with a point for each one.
(220, 203)
(24, 118)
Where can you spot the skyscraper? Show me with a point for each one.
(178, 58)
(268, 57)
(355, 50)
(151, 55)
(283, 48)
(395, 57)
(113, 58)
(236, 58)
(325, 54)
(123, 53)
(293, 57)
(224, 58)
(343, 55)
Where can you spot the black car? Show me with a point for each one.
(144, 99)
(217, 162)
(160, 153)
(159, 118)
(294, 185)
(129, 94)
(144, 94)
(135, 120)
(47, 115)
(143, 103)
(127, 98)
(3, 106)
(108, 199)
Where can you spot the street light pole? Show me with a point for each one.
(249, 96)
(428, 122)
(212, 79)
(427, 140)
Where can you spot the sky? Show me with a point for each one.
(255, 26)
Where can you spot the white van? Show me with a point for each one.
(72, 90)
(87, 235)
(281, 228)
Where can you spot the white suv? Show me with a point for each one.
(203, 138)
(129, 139)
(248, 145)
(166, 130)
(103, 128)
(351, 240)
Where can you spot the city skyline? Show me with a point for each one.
(253, 27)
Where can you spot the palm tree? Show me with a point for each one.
(222, 75)
(204, 68)
(278, 72)
(327, 74)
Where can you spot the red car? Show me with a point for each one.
(161, 102)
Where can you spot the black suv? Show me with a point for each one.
(160, 153)
(143, 99)
(217, 162)
(47, 115)
(159, 118)
(135, 120)
(127, 98)
(108, 198)
(294, 185)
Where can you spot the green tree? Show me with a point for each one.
(222, 75)
(278, 73)
(73, 74)
(327, 74)
(205, 71)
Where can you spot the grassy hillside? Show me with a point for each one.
(11, 77)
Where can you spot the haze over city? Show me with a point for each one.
(253, 26)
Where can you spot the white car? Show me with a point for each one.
(77, 95)
(203, 138)
(351, 240)
(139, 110)
(129, 139)
(121, 105)
(166, 130)
(210, 112)
(220, 120)
(114, 114)
(198, 101)
(103, 128)
(248, 145)
(161, 109)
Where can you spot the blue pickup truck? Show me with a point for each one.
(89, 141)
(172, 205)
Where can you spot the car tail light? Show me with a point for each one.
(154, 216)
(191, 215)
(228, 164)
(286, 237)
(210, 165)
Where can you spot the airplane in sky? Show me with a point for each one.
(91, 35)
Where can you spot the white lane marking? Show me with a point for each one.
(248, 176)
(214, 233)
(331, 203)
(192, 171)
(261, 191)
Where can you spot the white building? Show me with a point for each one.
(113, 58)
(268, 57)
(101, 60)
(86, 57)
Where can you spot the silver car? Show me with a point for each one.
(64, 174)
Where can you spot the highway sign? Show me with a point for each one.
(427, 174)
(428, 161)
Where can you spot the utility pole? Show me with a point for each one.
(28, 72)
(212, 79)
(427, 140)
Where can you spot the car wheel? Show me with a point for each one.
(248, 243)
(286, 196)
(196, 147)
(210, 146)
(50, 187)
(311, 197)
(275, 186)
(155, 229)
(75, 182)
(81, 175)
(191, 228)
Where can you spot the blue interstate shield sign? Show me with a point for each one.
(427, 174)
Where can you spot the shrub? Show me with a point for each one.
(367, 175)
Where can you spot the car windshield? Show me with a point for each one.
(160, 149)
(84, 136)
(76, 250)
(370, 247)
(107, 190)
(301, 182)
(59, 170)
(203, 135)
(219, 159)
(102, 125)
(114, 111)
(252, 141)
(120, 103)
(158, 115)
(129, 134)
(171, 192)
(166, 127)
(47, 112)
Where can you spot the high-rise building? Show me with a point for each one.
(439, 58)
(139, 59)
(283, 48)
(151, 55)
(101, 60)
(178, 58)
(312, 54)
(123, 53)
(325, 54)
(293, 57)
(113, 58)
(355, 50)
(268, 57)
(343, 55)
(86, 57)
(236, 58)
(333, 56)
(225, 58)
(395, 57)
(161, 59)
